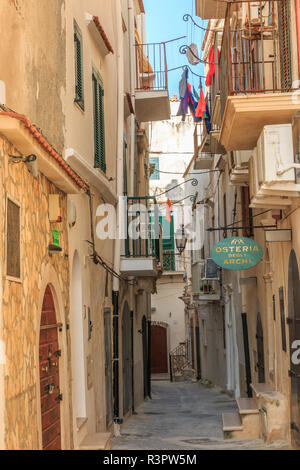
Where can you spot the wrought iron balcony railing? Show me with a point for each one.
(151, 66)
(143, 230)
(249, 61)
(169, 263)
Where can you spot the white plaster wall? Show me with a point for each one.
(170, 309)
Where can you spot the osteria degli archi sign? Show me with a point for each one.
(237, 253)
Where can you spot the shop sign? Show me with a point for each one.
(237, 253)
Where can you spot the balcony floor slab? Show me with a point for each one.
(245, 116)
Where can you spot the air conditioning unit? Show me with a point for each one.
(197, 274)
(238, 167)
(272, 169)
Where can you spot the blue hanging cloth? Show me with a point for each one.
(183, 94)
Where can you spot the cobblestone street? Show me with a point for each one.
(182, 416)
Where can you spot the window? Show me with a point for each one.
(13, 255)
(99, 125)
(155, 161)
(79, 99)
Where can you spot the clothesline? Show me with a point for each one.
(187, 67)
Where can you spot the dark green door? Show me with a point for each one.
(168, 243)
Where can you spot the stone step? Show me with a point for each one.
(97, 441)
(81, 428)
(247, 406)
(231, 422)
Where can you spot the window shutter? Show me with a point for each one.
(79, 98)
(99, 125)
(285, 43)
(102, 130)
(13, 255)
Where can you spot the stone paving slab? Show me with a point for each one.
(183, 416)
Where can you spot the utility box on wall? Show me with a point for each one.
(54, 208)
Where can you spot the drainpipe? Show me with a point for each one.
(132, 93)
(131, 33)
(297, 11)
(117, 247)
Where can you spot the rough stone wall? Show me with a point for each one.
(20, 299)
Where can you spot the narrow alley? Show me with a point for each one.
(183, 416)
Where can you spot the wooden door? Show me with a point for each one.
(127, 360)
(159, 351)
(108, 368)
(145, 355)
(49, 355)
(294, 336)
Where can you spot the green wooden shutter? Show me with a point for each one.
(79, 98)
(168, 243)
(99, 124)
(102, 129)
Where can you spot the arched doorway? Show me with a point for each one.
(78, 369)
(49, 355)
(127, 359)
(145, 355)
(159, 349)
(260, 350)
(294, 334)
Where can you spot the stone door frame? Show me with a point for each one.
(50, 279)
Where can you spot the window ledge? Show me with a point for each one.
(94, 176)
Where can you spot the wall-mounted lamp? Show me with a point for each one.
(30, 160)
(181, 239)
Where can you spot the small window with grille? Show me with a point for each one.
(13, 248)
(99, 122)
(78, 56)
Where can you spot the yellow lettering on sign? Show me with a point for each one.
(218, 249)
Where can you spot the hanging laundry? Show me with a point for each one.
(169, 211)
(193, 104)
(192, 54)
(183, 83)
(207, 119)
(212, 66)
(201, 108)
(183, 94)
(195, 94)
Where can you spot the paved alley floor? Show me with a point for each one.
(182, 416)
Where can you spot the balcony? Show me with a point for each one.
(255, 80)
(151, 94)
(209, 9)
(142, 257)
(206, 145)
(206, 287)
(238, 167)
(273, 169)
